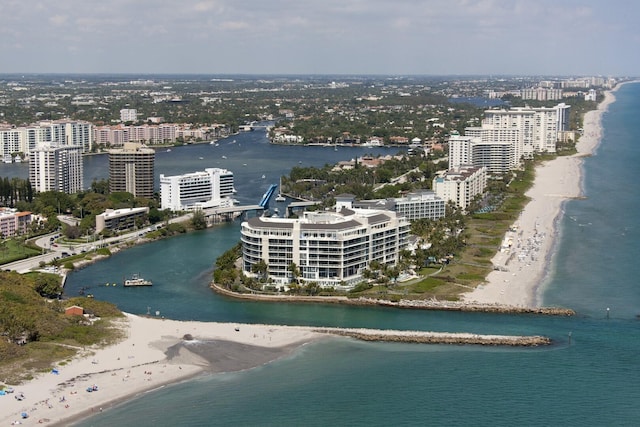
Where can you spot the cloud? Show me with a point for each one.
(58, 20)
(344, 36)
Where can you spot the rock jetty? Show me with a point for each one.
(437, 337)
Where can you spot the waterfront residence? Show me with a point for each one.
(56, 168)
(330, 248)
(210, 188)
(121, 219)
(416, 205)
(461, 185)
(27, 139)
(131, 169)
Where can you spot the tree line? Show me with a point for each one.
(14, 190)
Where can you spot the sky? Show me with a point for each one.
(397, 37)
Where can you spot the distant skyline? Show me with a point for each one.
(430, 37)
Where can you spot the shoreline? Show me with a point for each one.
(486, 307)
(522, 264)
(159, 352)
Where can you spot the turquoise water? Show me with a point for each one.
(588, 377)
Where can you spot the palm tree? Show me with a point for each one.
(261, 269)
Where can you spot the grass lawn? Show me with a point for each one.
(13, 250)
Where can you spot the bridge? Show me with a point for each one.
(264, 203)
(229, 213)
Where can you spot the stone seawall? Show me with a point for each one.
(402, 304)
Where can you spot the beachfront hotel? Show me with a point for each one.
(330, 248)
(212, 187)
(56, 168)
(131, 169)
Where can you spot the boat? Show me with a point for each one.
(8, 158)
(201, 158)
(264, 176)
(224, 157)
(136, 280)
(280, 197)
(168, 150)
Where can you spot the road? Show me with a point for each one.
(52, 250)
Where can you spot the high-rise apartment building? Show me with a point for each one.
(461, 185)
(131, 169)
(56, 168)
(331, 248)
(62, 133)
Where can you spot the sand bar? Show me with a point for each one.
(157, 352)
(523, 266)
(152, 355)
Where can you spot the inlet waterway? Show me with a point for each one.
(589, 377)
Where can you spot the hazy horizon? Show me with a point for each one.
(332, 37)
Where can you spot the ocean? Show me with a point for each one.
(588, 377)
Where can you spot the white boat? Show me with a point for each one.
(136, 280)
(224, 157)
(168, 150)
(280, 197)
(8, 158)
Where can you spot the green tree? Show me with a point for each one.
(198, 220)
(48, 285)
(261, 269)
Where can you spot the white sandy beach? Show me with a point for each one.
(523, 266)
(157, 352)
(139, 363)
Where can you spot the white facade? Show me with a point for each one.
(418, 205)
(55, 168)
(496, 156)
(331, 249)
(530, 130)
(212, 187)
(460, 150)
(128, 115)
(27, 139)
(461, 185)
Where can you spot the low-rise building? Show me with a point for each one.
(13, 222)
(413, 206)
(120, 219)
